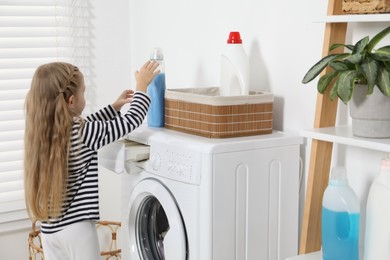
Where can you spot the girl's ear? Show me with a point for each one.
(70, 100)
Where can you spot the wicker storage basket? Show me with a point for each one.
(366, 6)
(201, 111)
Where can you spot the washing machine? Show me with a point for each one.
(186, 197)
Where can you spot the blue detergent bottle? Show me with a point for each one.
(340, 219)
(156, 92)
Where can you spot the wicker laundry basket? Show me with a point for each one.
(202, 111)
(366, 6)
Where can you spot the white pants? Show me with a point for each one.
(78, 241)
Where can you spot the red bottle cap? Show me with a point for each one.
(235, 38)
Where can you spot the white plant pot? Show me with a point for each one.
(370, 114)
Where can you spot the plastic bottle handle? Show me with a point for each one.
(237, 72)
(349, 217)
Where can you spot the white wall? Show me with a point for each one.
(281, 38)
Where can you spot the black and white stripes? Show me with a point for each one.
(97, 130)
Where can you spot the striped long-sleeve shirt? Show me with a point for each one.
(97, 130)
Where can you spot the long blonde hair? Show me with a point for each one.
(47, 138)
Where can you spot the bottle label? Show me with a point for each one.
(156, 92)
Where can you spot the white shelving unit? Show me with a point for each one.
(343, 135)
(356, 18)
(323, 137)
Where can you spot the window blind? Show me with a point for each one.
(31, 33)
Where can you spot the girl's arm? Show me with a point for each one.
(98, 133)
(111, 111)
(104, 114)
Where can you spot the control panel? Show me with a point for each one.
(174, 163)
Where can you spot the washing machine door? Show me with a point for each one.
(155, 225)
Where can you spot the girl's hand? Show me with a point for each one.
(145, 75)
(124, 98)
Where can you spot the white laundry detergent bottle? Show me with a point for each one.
(377, 236)
(234, 77)
(340, 219)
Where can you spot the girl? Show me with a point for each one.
(61, 168)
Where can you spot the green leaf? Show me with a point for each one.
(361, 45)
(345, 84)
(325, 80)
(333, 93)
(370, 71)
(337, 45)
(383, 81)
(386, 64)
(382, 54)
(355, 58)
(338, 65)
(350, 47)
(370, 89)
(377, 38)
(318, 67)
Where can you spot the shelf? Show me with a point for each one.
(351, 18)
(343, 135)
(326, 112)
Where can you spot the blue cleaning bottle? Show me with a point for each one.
(156, 92)
(340, 219)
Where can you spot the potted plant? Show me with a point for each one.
(361, 70)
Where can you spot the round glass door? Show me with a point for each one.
(152, 225)
(156, 228)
